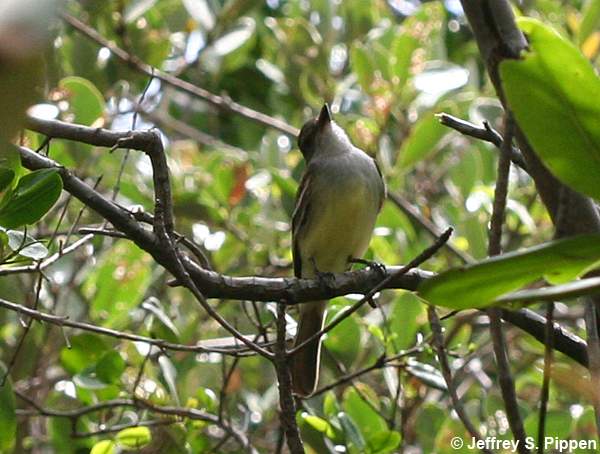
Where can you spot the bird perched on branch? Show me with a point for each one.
(337, 203)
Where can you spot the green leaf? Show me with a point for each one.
(590, 21)
(385, 442)
(330, 404)
(351, 431)
(104, 447)
(362, 65)
(362, 413)
(85, 100)
(6, 178)
(423, 140)
(479, 284)
(407, 312)
(319, 424)
(341, 340)
(110, 367)
(553, 92)
(86, 349)
(558, 424)
(8, 417)
(118, 283)
(402, 50)
(555, 293)
(33, 197)
(134, 437)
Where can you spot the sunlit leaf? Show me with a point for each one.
(85, 100)
(104, 447)
(134, 437)
(424, 139)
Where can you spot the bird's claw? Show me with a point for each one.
(380, 267)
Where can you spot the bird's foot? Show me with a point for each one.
(380, 267)
(326, 278)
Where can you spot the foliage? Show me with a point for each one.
(386, 68)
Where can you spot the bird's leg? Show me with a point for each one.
(371, 264)
(325, 277)
(380, 267)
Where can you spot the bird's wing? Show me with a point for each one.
(383, 185)
(300, 217)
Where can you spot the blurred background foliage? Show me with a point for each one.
(386, 68)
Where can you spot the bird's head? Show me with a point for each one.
(321, 133)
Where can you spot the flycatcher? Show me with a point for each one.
(337, 203)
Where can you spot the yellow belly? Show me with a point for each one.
(340, 229)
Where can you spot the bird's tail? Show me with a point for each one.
(305, 363)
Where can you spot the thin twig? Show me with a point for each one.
(505, 378)
(284, 379)
(485, 133)
(438, 343)
(548, 358)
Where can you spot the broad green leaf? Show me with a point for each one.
(558, 292)
(402, 50)
(134, 437)
(368, 421)
(86, 349)
(85, 100)
(104, 447)
(362, 65)
(330, 405)
(429, 420)
(342, 340)
(351, 431)
(385, 442)
(553, 91)
(33, 197)
(407, 314)
(319, 424)
(6, 178)
(423, 140)
(478, 285)
(558, 424)
(8, 417)
(110, 367)
(118, 283)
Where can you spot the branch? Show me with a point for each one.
(487, 134)
(438, 343)
(207, 346)
(215, 285)
(188, 413)
(507, 385)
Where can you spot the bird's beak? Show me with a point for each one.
(324, 117)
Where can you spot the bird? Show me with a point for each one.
(340, 195)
